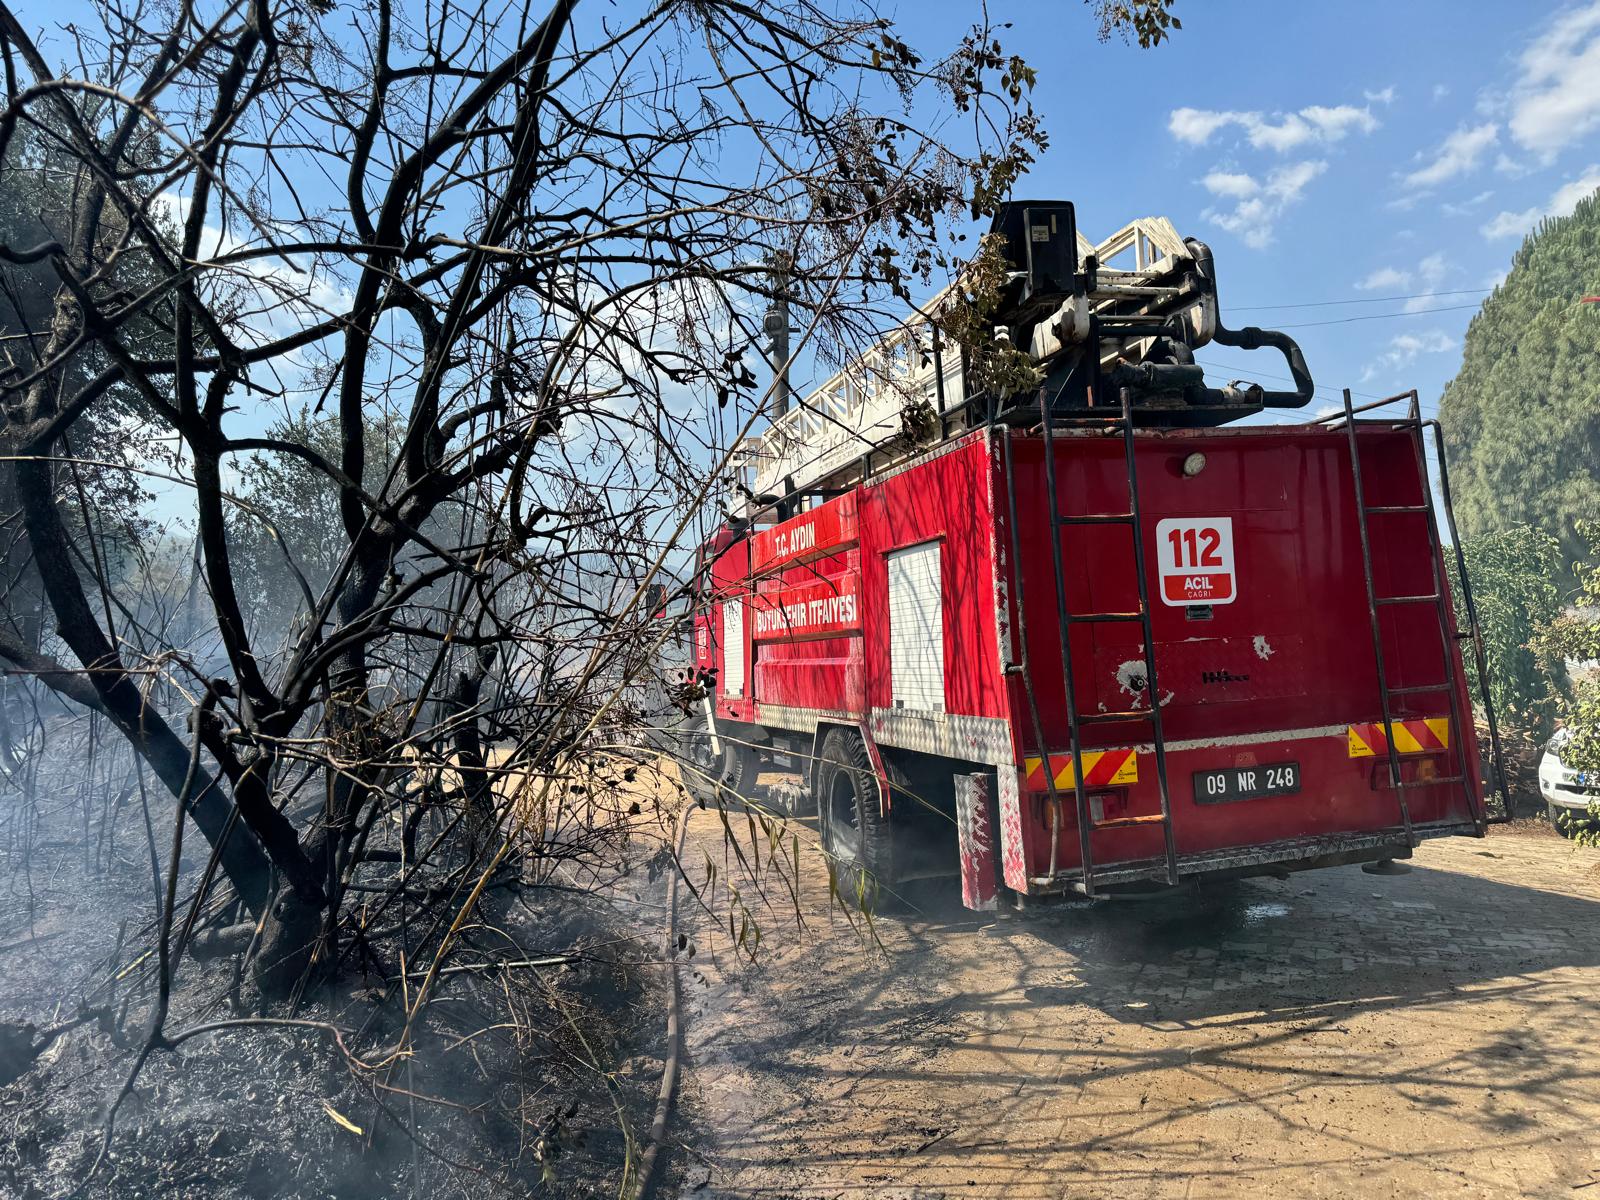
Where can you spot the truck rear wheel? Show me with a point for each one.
(855, 832)
(712, 778)
(740, 766)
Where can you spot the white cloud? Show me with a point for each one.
(1464, 207)
(1457, 154)
(1385, 278)
(1279, 131)
(1556, 99)
(1282, 136)
(1427, 275)
(1569, 194)
(1561, 204)
(1386, 96)
(1509, 224)
(1286, 183)
(1334, 123)
(1431, 272)
(1441, 90)
(1225, 183)
(1259, 206)
(1405, 348)
(1196, 126)
(268, 297)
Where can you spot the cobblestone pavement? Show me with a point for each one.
(1333, 1034)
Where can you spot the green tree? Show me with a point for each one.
(285, 529)
(1574, 636)
(95, 467)
(1515, 576)
(1148, 22)
(1522, 417)
(33, 202)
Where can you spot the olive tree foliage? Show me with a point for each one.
(531, 243)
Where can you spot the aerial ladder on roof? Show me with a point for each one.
(1125, 315)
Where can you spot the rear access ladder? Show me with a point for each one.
(1066, 619)
(1437, 598)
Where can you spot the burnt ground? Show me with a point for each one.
(1335, 1034)
(523, 1081)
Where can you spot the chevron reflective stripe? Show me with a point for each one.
(1101, 768)
(1410, 737)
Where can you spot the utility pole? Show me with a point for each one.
(776, 327)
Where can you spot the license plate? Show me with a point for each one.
(1246, 783)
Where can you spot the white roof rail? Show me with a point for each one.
(825, 436)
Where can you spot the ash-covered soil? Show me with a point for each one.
(531, 1080)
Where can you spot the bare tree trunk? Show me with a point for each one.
(241, 856)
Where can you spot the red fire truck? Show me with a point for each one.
(1088, 638)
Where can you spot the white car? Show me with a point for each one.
(1567, 793)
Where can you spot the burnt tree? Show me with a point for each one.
(535, 245)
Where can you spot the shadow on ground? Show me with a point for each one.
(1329, 1032)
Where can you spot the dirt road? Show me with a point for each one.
(1335, 1034)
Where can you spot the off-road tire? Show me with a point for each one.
(1565, 821)
(719, 780)
(741, 763)
(696, 769)
(855, 831)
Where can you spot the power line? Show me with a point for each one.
(1421, 312)
(1362, 300)
(1323, 397)
(1322, 393)
(1245, 372)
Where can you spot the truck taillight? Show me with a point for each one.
(1416, 768)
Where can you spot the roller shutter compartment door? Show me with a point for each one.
(916, 628)
(733, 647)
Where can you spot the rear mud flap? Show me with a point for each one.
(975, 835)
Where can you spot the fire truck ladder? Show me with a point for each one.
(1437, 598)
(1150, 713)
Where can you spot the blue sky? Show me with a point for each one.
(1353, 158)
(1327, 152)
